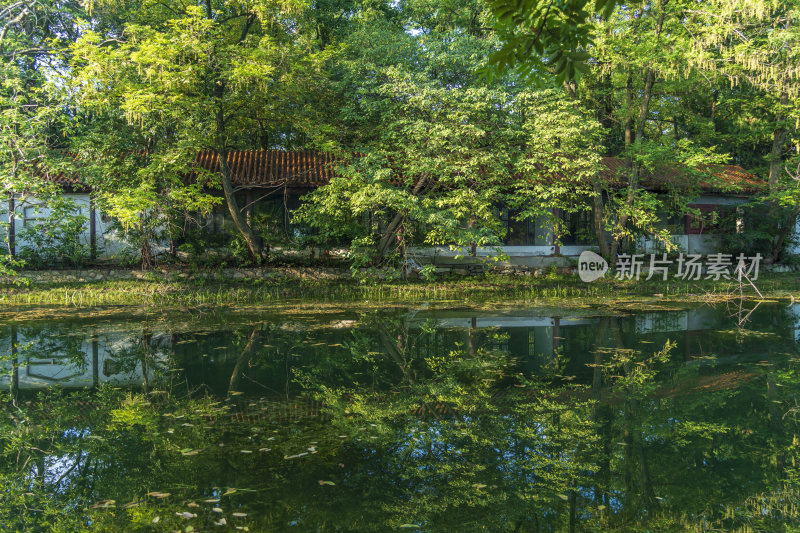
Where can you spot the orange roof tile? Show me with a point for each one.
(302, 168)
(310, 169)
(724, 176)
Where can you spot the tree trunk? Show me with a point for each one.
(778, 142)
(597, 220)
(783, 232)
(775, 163)
(397, 220)
(11, 237)
(239, 220)
(640, 123)
(633, 172)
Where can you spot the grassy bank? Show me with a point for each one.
(171, 292)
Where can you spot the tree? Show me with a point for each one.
(438, 149)
(756, 43)
(34, 40)
(190, 77)
(636, 62)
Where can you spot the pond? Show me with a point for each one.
(410, 417)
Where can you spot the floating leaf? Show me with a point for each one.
(103, 503)
(247, 451)
(479, 486)
(158, 494)
(156, 519)
(229, 491)
(563, 496)
(409, 526)
(186, 514)
(295, 456)
(239, 515)
(221, 522)
(323, 482)
(212, 500)
(217, 510)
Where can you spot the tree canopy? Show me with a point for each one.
(429, 147)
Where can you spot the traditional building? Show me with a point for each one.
(273, 181)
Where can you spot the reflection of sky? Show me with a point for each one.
(61, 470)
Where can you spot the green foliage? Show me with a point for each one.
(55, 237)
(135, 90)
(542, 39)
(437, 150)
(185, 78)
(33, 43)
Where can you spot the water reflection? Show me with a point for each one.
(258, 354)
(432, 419)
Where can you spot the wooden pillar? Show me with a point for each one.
(248, 202)
(95, 361)
(12, 227)
(473, 325)
(556, 216)
(556, 333)
(92, 230)
(15, 363)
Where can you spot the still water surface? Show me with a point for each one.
(429, 417)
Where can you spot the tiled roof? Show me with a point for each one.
(65, 180)
(724, 176)
(310, 169)
(302, 168)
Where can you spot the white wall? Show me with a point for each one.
(108, 241)
(28, 209)
(795, 247)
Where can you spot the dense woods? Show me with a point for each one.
(437, 112)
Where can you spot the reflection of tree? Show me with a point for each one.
(242, 361)
(417, 430)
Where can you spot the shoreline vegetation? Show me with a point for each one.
(168, 288)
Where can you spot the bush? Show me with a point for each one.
(54, 239)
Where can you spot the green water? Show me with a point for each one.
(434, 417)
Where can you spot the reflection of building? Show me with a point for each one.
(262, 355)
(537, 339)
(795, 310)
(45, 359)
